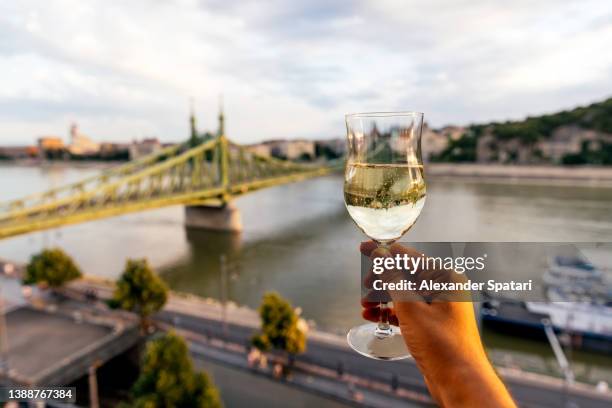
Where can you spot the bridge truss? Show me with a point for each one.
(208, 174)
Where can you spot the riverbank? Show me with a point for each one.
(202, 320)
(484, 172)
(596, 175)
(60, 164)
(205, 320)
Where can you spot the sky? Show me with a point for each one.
(291, 69)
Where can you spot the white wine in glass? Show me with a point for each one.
(384, 192)
(384, 200)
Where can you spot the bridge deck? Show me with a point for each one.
(56, 349)
(213, 171)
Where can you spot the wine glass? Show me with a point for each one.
(384, 192)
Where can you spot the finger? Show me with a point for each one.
(380, 252)
(415, 310)
(373, 315)
(397, 248)
(374, 297)
(366, 248)
(369, 279)
(368, 304)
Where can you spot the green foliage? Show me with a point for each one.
(528, 131)
(597, 116)
(57, 154)
(279, 326)
(322, 150)
(588, 155)
(139, 289)
(460, 150)
(261, 342)
(52, 267)
(169, 380)
(305, 157)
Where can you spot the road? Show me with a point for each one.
(526, 392)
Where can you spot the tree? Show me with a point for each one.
(140, 290)
(168, 378)
(281, 327)
(52, 267)
(459, 150)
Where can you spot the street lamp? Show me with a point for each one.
(223, 283)
(224, 268)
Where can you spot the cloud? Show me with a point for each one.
(291, 69)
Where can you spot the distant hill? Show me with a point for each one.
(579, 136)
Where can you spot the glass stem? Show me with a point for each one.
(383, 329)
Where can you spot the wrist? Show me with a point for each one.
(469, 383)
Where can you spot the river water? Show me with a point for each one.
(299, 241)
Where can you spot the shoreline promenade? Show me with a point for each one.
(329, 367)
(202, 320)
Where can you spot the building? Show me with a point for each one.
(433, 142)
(286, 149)
(18, 152)
(144, 147)
(569, 140)
(261, 149)
(50, 143)
(453, 132)
(487, 148)
(564, 140)
(491, 149)
(295, 149)
(80, 144)
(114, 151)
(51, 147)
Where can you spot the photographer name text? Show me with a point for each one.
(431, 285)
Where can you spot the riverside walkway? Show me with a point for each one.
(329, 367)
(225, 341)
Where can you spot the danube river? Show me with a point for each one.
(299, 241)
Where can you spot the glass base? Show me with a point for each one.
(390, 346)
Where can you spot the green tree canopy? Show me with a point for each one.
(168, 379)
(139, 289)
(530, 131)
(52, 267)
(280, 327)
(462, 149)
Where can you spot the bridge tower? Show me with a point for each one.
(193, 138)
(226, 216)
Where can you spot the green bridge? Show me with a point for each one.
(204, 178)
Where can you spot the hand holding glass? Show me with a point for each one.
(384, 192)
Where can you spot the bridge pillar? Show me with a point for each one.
(223, 218)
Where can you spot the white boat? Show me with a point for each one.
(577, 303)
(586, 318)
(573, 272)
